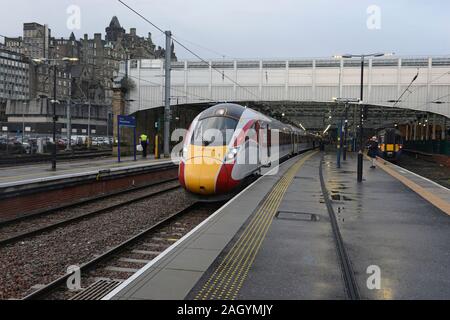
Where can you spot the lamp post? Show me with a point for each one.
(362, 107)
(343, 127)
(108, 120)
(54, 101)
(69, 125)
(89, 125)
(23, 120)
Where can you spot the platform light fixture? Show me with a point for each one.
(54, 63)
(361, 123)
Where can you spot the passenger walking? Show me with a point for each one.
(144, 144)
(373, 151)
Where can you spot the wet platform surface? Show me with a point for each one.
(386, 224)
(275, 240)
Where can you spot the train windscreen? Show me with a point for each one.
(214, 131)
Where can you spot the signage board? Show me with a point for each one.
(127, 121)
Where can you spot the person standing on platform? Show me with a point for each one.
(144, 144)
(373, 151)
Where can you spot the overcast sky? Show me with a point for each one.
(258, 28)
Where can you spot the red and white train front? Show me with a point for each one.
(212, 146)
(228, 143)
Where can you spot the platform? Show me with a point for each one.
(28, 174)
(35, 189)
(275, 239)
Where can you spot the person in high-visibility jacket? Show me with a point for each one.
(144, 144)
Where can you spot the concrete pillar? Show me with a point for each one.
(444, 128)
(186, 79)
(399, 77)
(261, 79)
(314, 81)
(433, 134)
(210, 86)
(407, 133)
(286, 82)
(421, 130)
(369, 81)
(235, 80)
(341, 79)
(415, 130)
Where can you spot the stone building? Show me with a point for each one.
(14, 79)
(36, 40)
(14, 75)
(89, 81)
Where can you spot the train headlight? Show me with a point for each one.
(185, 152)
(232, 154)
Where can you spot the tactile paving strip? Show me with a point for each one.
(228, 278)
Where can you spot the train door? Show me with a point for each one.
(251, 145)
(292, 143)
(258, 143)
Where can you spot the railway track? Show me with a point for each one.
(45, 226)
(346, 266)
(105, 272)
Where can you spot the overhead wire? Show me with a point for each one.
(175, 40)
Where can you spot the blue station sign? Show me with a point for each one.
(127, 122)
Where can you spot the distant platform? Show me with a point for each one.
(277, 240)
(34, 189)
(32, 173)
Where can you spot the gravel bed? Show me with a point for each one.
(44, 220)
(44, 258)
(429, 169)
(188, 221)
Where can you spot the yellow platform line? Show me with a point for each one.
(236, 250)
(425, 194)
(256, 243)
(270, 213)
(237, 263)
(250, 247)
(249, 233)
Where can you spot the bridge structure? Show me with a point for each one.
(304, 90)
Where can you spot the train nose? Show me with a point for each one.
(201, 174)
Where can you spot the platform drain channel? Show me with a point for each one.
(98, 290)
(297, 216)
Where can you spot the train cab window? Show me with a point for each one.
(214, 131)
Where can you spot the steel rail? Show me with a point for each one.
(82, 217)
(40, 294)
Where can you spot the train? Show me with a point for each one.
(390, 144)
(228, 144)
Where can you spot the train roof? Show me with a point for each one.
(224, 110)
(236, 111)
